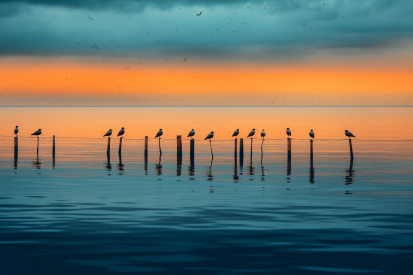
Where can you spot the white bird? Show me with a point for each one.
(192, 133)
(236, 133)
(251, 133)
(121, 132)
(37, 133)
(263, 133)
(349, 134)
(210, 135)
(288, 132)
(109, 133)
(311, 133)
(16, 130)
(159, 134)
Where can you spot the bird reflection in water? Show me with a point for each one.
(37, 163)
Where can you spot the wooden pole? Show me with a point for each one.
(251, 147)
(192, 152)
(37, 146)
(311, 163)
(146, 148)
(16, 148)
(108, 150)
(212, 154)
(351, 148)
(54, 147)
(120, 148)
(262, 152)
(235, 148)
(289, 157)
(179, 150)
(241, 152)
(160, 150)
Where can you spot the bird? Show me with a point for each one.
(349, 134)
(121, 132)
(199, 14)
(109, 133)
(16, 130)
(192, 133)
(311, 133)
(159, 134)
(263, 134)
(37, 133)
(210, 135)
(236, 133)
(288, 132)
(251, 133)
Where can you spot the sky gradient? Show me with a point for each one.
(269, 53)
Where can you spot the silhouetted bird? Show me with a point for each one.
(210, 135)
(121, 132)
(192, 133)
(236, 133)
(108, 133)
(288, 132)
(16, 130)
(349, 134)
(251, 133)
(263, 133)
(311, 133)
(199, 14)
(159, 134)
(37, 133)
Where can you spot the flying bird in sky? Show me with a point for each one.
(199, 14)
(159, 134)
(236, 133)
(251, 133)
(121, 132)
(90, 17)
(185, 59)
(39, 132)
(288, 132)
(108, 133)
(210, 135)
(192, 133)
(349, 134)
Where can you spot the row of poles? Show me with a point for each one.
(179, 150)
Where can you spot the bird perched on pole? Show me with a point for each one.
(263, 134)
(192, 133)
(251, 133)
(109, 133)
(16, 130)
(236, 133)
(159, 134)
(37, 133)
(121, 132)
(288, 132)
(311, 133)
(210, 135)
(349, 134)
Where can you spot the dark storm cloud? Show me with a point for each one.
(261, 30)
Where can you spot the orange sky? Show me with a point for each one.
(201, 84)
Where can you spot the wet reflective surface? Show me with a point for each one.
(272, 212)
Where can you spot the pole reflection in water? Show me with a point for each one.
(251, 168)
(241, 154)
(236, 177)
(350, 173)
(121, 166)
(108, 165)
(158, 167)
(210, 175)
(16, 151)
(262, 157)
(37, 163)
(311, 163)
(191, 167)
(146, 156)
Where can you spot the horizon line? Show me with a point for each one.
(204, 106)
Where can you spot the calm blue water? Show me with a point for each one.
(85, 216)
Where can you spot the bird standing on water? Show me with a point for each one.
(251, 133)
(263, 134)
(311, 133)
(210, 135)
(37, 133)
(236, 133)
(288, 132)
(349, 134)
(16, 130)
(121, 132)
(192, 133)
(159, 134)
(109, 133)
